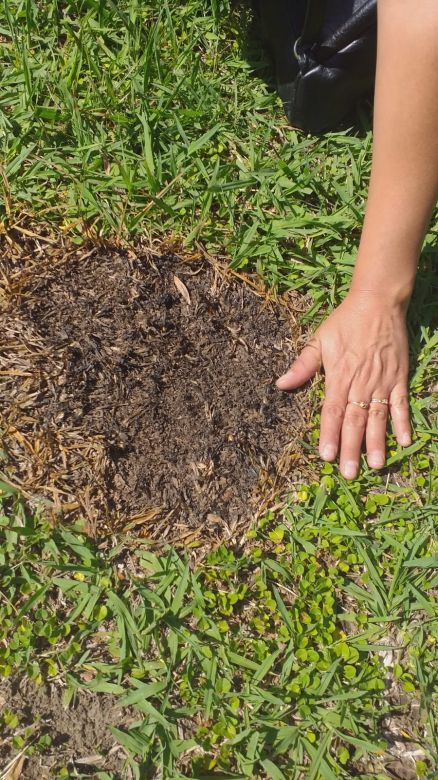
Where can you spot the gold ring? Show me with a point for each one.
(383, 401)
(362, 404)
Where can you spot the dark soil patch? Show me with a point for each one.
(151, 389)
(80, 737)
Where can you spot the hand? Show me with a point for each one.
(363, 349)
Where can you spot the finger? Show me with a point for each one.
(332, 417)
(376, 431)
(353, 430)
(306, 366)
(399, 408)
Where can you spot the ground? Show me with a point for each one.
(296, 636)
(146, 385)
(79, 733)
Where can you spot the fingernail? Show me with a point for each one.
(282, 380)
(405, 440)
(376, 460)
(349, 469)
(328, 452)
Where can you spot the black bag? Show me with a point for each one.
(324, 52)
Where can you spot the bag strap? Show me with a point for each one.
(313, 22)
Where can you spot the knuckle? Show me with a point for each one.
(333, 409)
(401, 403)
(301, 360)
(355, 419)
(378, 413)
(300, 363)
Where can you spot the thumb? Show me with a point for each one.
(304, 367)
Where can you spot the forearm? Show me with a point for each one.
(404, 179)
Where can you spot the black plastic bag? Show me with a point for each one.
(324, 53)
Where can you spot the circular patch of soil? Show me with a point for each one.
(148, 383)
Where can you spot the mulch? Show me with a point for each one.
(138, 388)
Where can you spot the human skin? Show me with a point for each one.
(362, 346)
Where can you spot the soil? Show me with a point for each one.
(80, 737)
(152, 391)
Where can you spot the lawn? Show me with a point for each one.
(307, 647)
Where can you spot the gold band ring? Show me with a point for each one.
(362, 404)
(383, 401)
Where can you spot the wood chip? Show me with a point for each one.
(214, 519)
(182, 289)
(92, 760)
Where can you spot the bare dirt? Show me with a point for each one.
(80, 735)
(140, 386)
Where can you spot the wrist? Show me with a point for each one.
(386, 273)
(368, 295)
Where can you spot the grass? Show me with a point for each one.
(122, 118)
(271, 656)
(280, 659)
